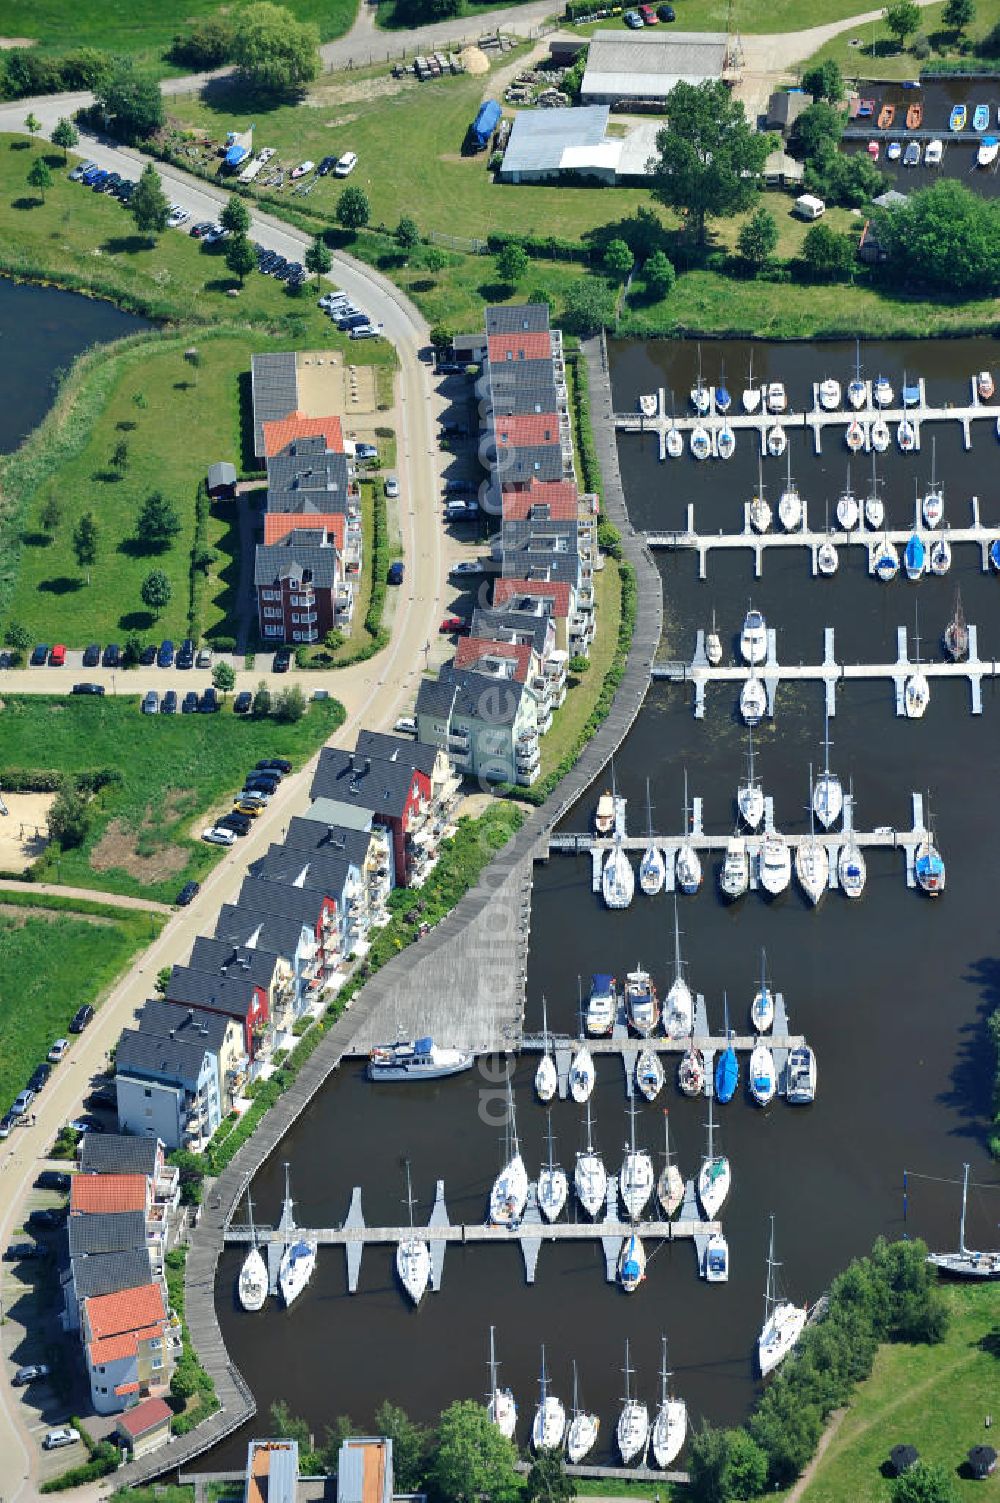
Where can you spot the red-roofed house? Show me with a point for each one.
(483, 655)
(110, 1193)
(278, 524)
(130, 1340)
(144, 1427)
(526, 429)
(558, 595)
(545, 501)
(524, 345)
(281, 432)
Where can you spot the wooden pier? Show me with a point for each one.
(812, 539)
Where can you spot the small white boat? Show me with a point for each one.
(857, 390)
(687, 863)
(893, 151)
(678, 1009)
(751, 394)
(590, 1178)
(413, 1256)
(653, 866)
(648, 404)
(509, 1194)
(829, 394)
(885, 560)
(906, 436)
(827, 559)
(674, 443)
(812, 864)
(790, 508)
(760, 511)
(932, 508)
(762, 1006)
(761, 1074)
(618, 878)
(713, 645)
(701, 397)
(987, 153)
(633, 1423)
(783, 1321)
(715, 1175)
(546, 1078)
(777, 443)
(253, 1282)
(649, 1076)
(631, 1263)
(553, 1186)
(882, 392)
(854, 436)
(725, 442)
(670, 1424)
(852, 872)
(939, 556)
(691, 1071)
(635, 1183)
(582, 1075)
(828, 791)
(642, 1006)
(549, 1425)
(298, 1261)
(916, 695)
(774, 865)
(848, 510)
(928, 864)
(602, 1005)
(715, 1264)
(777, 401)
(670, 1185)
(604, 815)
(750, 795)
(753, 700)
(734, 874)
(581, 1437)
(933, 154)
(500, 1406)
(874, 507)
(753, 637)
(880, 436)
(701, 443)
(800, 1087)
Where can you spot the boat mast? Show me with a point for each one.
(678, 968)
(750, 729)
(649, 813)
(628, 1371)
(826, 743)
(514, 1144)
(253, 1234)
(666, 1135)
(590, 1145)
(812, 816)
(493, 1367)
(579, 1006)
(549, 1136)
(409, 1193)
(963, 1250)
(664, 1374)
(769, 1292)
(543, 1381)
(545, 1025)
(711, 1126)
(576, 1407)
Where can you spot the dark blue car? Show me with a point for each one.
(99, 183)
(165, 656)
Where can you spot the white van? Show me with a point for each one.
(809, 207)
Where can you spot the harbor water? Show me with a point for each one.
(892, 991)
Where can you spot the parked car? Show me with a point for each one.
(456, 625)
(85, 1124)
(275, 764)
(243, 702)
(204, 658)
(367, 331)
(649, 16)
(281, 660)
(39, 655)
(209, 702)
(199, 230)
(147, 657)
(666, 13)
(102, 1098)
(467, 566)
(185, 654)
(346, 164)
(99, 179)
(461, 511)
(165, 656)
(112, 655)
(19, 1252)
(40, 1076)
(348, 321)
(62, 1435)
(332, 300)
(92, 655)
(7, 1124)
(49, 1218)
(391, 487)
(633, 20)
(169, 705)
(240, 824)
(259, 796)
(58, 1050)
(215, 835)
(151, 703)
(188, 893)
(248, 807)
(365, 451)
(87, 688)
(52, 1179)
(327, 164)
(405, 726)
(30, 1374)
(214, 236)
(303, 168)
(396, 572)
(80, 169)
(189, 703)
(22, 1101)
(57, 657)
(81, 1018)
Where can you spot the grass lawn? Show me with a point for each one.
(144, 837)
(886, 61)
(568, 721)
(53, 959)
(933, 1397)
(747, 16)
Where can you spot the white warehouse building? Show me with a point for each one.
(639, 68)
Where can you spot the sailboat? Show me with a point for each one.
(701, 399)
(827, 794)
(956, 633)
(882, 391)
(723, 400)
(885, 559)
(750, 795)
(915, 556)
(687, 862)
(727, 1066)
(252, 1286)
(777, 441)
(753, 699)
(590, 1178)
(848, 510)
(670, 1185)
(928, 863)
(691, 1070)
(852, 871)
(670, 1424)
(633, 1422)
(500, 1406)
(602, 1006)
(761, 1074)
(297, 1261)
(879, 435)
(790, 503)
(939, 556)
(966, 1263)
(725, 442)
(713, 645)
(783, 1321)
(674, 439)
(857, 390)
(582, 1071)
(917, 689)
(631, 1263)
(509, 1194)
(642, 1005)
(550, 1417)
(553, 1186)
(701, 442)
(874, 505)
(854, 437)
(827, 557)
(760, 511)
(751, 393)
(714, 1176)
(932, 506)
(762, 1006)
(678, 1010)
(734, 874)
(617, 878)
(581, 1437)
(546, 1077)
(649, 1076)
(653, 866)
(636, 1179)
(413, 1256)
(774, 864)
(812, 864)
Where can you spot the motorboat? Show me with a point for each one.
(828, 791)
(649, 1076)
(413, 1255)
(715, 1263)
(928, 865)
(633, 1423)
(882, 391)
(886, 116)
(981, 117)
(509, 1194)
(910, 393)
(604, 816)
(674, 442)
(939, 556)
(553, 1186)
(670, 1424)
(713, 645)
(829, 394)
(873, 150)
(874, 509)
(691, 1071)
(956, 633)
(701, 397)
(727, 1066)
(777, 401)
(762, 1006)
(984, 386)
(581, 1436)
(958, 117)
(848, 510)
(885, 560)
(966, 1263)
(701, 442)
(854, 437)
(618, 878)
(500, 1406)
(653, 866)
(642, 1006)
(761, 1074)
(866, 109)
(670, 1185)
(827, 559)
(631, 1263)
(933, 153)
(549, 1425)
(906, 436)
(774, 864)
(734, 874)
(800, 1076)
(915, 557)
(879, 435)
(750, 794)
(751, 394)
(790, 504)
(932, 505)
(753, 637)
(648, 404)
(678, 1012)
(602, 1005)
(252, 1285)
(911, 156)
(852, 873)
(725, 442)
(777, 441)
(546, 1076)
(582, 1075)
(914, 116)
(714, 1176)
(893, 151)
(783, 1321)
(590, 1178)
(916, 694)
(417, 1059)
(296, 1268)
(635, 1182)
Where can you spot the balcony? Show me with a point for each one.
(525, 778)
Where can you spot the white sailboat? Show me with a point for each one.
(753, 638)
(734, 874)
(602, 1005)
(777, 441)
(701, 441)
(678, 1006)
(500, 1406)
(581, 1437)
(761, 1074)
(827, 559)
(751, 393)
(636, 1179)
(932, 506)
(670, 1424)
(653, 866)
(298, 1260)
(670, 1185)
(917, 689)
(553, 1186)
(725, 442)
(631, 1263)
(582, 1070)
(852, 871)
(753, 699)
(874, 505)
(649, 1076)
(674, 441)
(750, 795)
(783, 1321)
(701, 397)
(790, 503)
(590, 1178)
(762, 1006)
(413, 1255)
(812, 863)
(857, 390)
(939, 556)
(687, 867)
(509, 1194)
(854, 437)
(884, 558)
(633, 1422)
(546, 1077)
(880, 436)
(713, 645)
(760, 511)
(828, 792)
(252, 1286)
(549, 1425)
(966, 1263)
(617, 878)
(848, 510)
(715, 1175)
(774, 864)
(691, 1070)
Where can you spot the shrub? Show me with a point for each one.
(207, 44)
(609, 539)
(921, 47)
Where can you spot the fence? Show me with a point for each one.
(487, 42)
(458, 243)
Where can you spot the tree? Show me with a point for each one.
(902, 18)
(183, 1382)
(224, 677)
(261, 701)
(441, 338)
(659, 275)
(473, 1457)
(758, 238)
(119, 457)
(588, 307)
(924, 1482)
(818, 129)
(68, 816)
(746, 1471)
(131, 650)
(65, 135)
(17, 636)
(32, 125)
(409, 1446)
(235, 217)
(290, 705)
(849, 180)
(275, 53)
(40, 176)
(85, 537)
(617, 260)
(827, 255)
(318, 259)
(958, 14)
(709, 159)
(643, 232)
(150, 206)
(435, 259)
(132, 99)
(825, 81)
(289, 1426)
(787, 1431)
(943, 238)
(334, 639)
(241, 258)
(51, 515)
(511, 263)
(353, 209)
(547, 1481)
(156, 591)
(725, 1464)
(543, 297)
(407, 233)
(158, 521)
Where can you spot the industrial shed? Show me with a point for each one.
(640, 68)
(545, 143)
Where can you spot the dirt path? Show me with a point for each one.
(833, 1425)
(88, 894)
(780, 52)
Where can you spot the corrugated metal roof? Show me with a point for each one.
(540, 137)
(275, 384)
(636, 65)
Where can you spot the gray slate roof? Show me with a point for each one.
(220, 959)
(524, 562)
(322, 871)
(279, 936)
(522, 386)
(436, 696)
(367, 781)
(275, 385)
(474, 699)
(222, 473)
(332, 811)
(517, 466)
(118, 1153)
(306, 468)
(295, 561)
(307, 834)
(281, 899)
(146, 1055)
(517, 318)
(502, 626)
(106, 1232)
(109, 1273)
(641, 64)
(397, 749)
(232, 994)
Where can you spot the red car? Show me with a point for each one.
(454, 624)
(57, 657)
(649, 15)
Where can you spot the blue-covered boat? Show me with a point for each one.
(929, 868)
(723, 401)
(911, 396)
(915, 557)
(995, 554)
(981, 117)
(958, 117)
(727, 1066)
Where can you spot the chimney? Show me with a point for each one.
(171, 1033)
(190, 1016)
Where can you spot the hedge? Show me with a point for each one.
(197, 575)
(188, 1363)
(590, 470)
(541, 247)
(104, 1458)
(50, 780)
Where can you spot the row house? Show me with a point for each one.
(331, 873)
(118, 1153)
(428, 760)
(263, 969)
(168, 1086)
(99, 1274)
(307, 477)
(232, 995)
(556, 597)
(335, 828)
(295, 947)
(487, 725)
(131, 1342)
(394, 791)
(301, 591)
(281, 434)
(313, 911)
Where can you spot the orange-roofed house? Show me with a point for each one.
(130, 1340)
(520, 346)
(109, 1194)
(515, 660)
(144, 1427)
(278, 524)
(281, 432)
